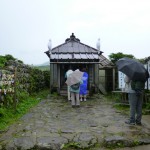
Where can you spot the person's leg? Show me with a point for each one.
(69, 95)
(85, 92)
(85, 97)
(132, 102)
(81, 97)
(139, 109)
(77, 99)
(72, 98)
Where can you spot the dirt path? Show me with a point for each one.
(54, 124)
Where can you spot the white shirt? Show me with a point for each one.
(68, 73)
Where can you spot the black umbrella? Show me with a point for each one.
(133, 69)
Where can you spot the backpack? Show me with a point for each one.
(138, 86)
(75, 86)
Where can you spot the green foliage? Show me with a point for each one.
(9, 116)
(37, 80)
(28, 78)
(122, 107)
(47, 78)
(21, 96)
(6, 58)
(9, 57)
(2, 61)
(29, 82)
(71, 145)
(142, 60)
(114, 57)
(6, 116)
(148, 106)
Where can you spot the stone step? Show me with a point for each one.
(64, 92)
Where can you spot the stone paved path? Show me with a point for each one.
(53, 124)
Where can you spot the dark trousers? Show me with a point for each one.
(135, 102)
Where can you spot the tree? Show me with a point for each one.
(9, 57)
(142, 60)
(114, 57)
(2, 61)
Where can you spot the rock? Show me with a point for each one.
(115, 141)
(53, 143)
(85, 140)
(53, 124)
(144, 141)
(24, 142)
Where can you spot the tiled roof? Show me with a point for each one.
(105, 63)
(73, 46)
(73, 51)
(74, 56)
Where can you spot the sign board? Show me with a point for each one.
(121, 77)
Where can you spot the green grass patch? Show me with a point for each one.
(71, 146)
(8, 115)
(121, 106)
(124, 109)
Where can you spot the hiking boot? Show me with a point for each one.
(129, 122)
(138, 123)
(77, 106)
(73, 106)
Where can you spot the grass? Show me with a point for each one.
(124, 107)
(8, 116)
(43, 68)
(71, 146)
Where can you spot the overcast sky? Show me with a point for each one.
(27, 25)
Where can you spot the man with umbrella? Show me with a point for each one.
(74, 80)
(136, 76)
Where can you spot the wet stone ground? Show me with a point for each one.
(53, 125)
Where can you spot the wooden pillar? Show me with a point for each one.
(113, 79)
(96, 75)
(50, 76)
(58, 76)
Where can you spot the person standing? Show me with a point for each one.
(68, 87)
(83, 86)
(135, 102)
(74, 90)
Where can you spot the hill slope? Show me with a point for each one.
(46, 67)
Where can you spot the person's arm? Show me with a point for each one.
(127, 79)
(66, 75)
(81, 82)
